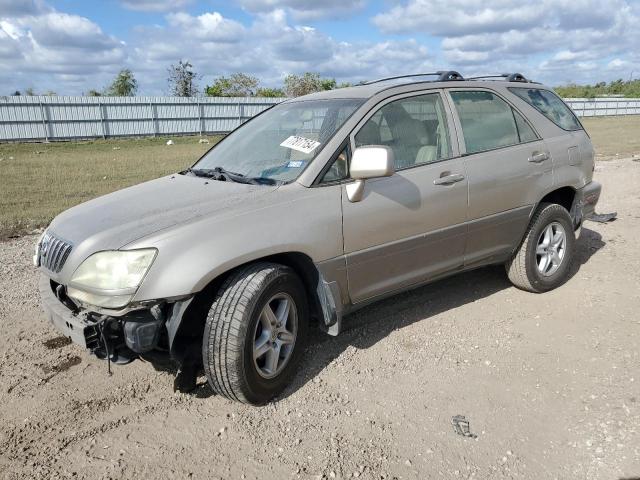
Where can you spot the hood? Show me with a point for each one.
(117, 219)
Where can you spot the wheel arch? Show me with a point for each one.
(563, 196)
(191, 322)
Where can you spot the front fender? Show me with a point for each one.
(299, 219)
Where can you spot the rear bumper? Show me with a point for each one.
(590, 196)
(584, 204)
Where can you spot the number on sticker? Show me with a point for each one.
(301, 144)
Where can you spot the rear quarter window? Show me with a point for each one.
(550, 105)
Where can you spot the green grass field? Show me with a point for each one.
(39, 180)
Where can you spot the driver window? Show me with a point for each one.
(415, 128)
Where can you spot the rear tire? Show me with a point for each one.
(543, 260)
(249, 354)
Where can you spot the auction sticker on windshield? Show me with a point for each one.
(301, 144)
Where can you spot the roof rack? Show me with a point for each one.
(443, 76)
(510, 77)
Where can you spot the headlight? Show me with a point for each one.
(111, 274)
(105, 301)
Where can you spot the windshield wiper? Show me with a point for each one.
(219, 173)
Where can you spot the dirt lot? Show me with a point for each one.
(550, 384)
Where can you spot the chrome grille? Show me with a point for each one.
(53, 252)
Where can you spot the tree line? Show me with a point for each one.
(182, 81)
(628, 88)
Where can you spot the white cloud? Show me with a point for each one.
(458, 17)
(43, 49)
(305, 9)
(20, 8)
(9, 47)
(453, 18)
(208, 26)
(155, 5)
(270, 48)
(68, 31)
(551, 40)
(618, 64)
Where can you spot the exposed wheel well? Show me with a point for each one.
(562, 196)
(191, 328)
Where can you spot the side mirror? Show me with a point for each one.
(368, 162)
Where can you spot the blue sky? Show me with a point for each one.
(71, 46)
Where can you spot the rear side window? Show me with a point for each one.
(487, 120)
(550, 105)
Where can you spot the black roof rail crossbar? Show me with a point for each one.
(442, 77)
(516, 77)
(449, 76)
(510, 77)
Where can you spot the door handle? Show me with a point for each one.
(448, 179)
(538, 157)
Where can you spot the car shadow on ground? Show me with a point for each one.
(366, 327)
(373, 323)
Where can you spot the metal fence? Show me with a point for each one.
(25, 118)
(596, 107)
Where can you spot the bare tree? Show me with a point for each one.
(182, 80)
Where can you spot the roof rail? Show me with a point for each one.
(509, 77)
(442, 77)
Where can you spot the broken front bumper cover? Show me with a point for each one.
(121, 339)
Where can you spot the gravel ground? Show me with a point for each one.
(549, 383)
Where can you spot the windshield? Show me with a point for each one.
(279, 143)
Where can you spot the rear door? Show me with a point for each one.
(408, 227)
(507, 166)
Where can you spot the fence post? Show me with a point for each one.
(104, 133)
(45, 120)
(154, 118)
(200, 121)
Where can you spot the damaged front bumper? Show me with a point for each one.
(120, 337)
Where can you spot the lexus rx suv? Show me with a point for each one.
(314, 208)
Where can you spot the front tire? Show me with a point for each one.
(255, 333)
(543, 260)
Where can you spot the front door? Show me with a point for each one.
(409, 227)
